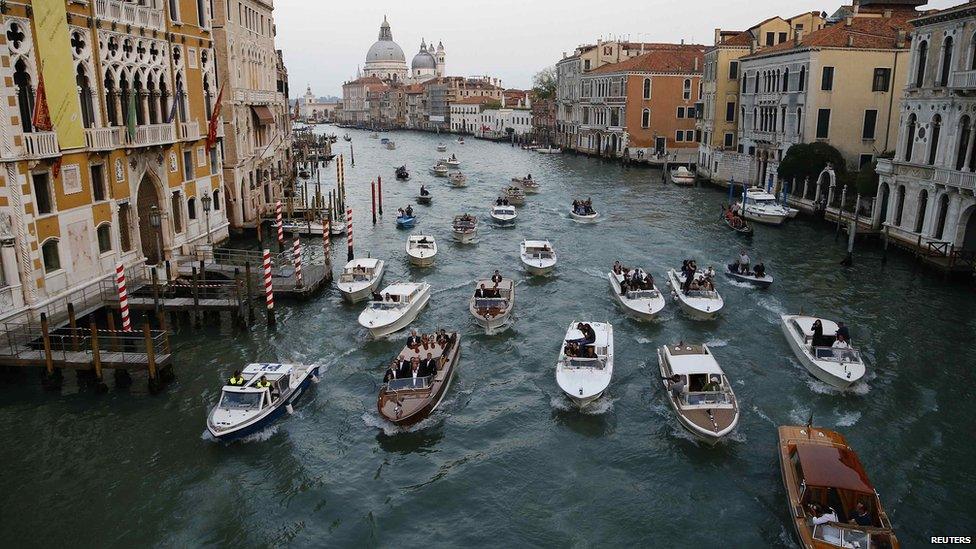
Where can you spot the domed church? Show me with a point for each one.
(385, 60)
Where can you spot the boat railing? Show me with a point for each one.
(704, 294)
(700, 398)
(643, 294)
(833, 354)
(842, 535)
(409, 384)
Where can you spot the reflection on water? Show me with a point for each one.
(505, 439)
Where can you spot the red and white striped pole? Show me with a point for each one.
(349, 253)
(327, 246)
(268, 290)
(281, 226)
(298, 261)
(123, 297)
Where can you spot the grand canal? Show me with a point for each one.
(505, 461)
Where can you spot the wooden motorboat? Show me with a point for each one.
(460, 140)
(302, 227)
(585, 375)
(529, 186)
(399, 305)
(515, 195)
(706, 407)
(441, 147)
(698, 304)
(402, 174)
(421, 249)
(644, 303)
(503, 215)
(406, 400)
(246, 409)
(837, 367)
(438, 170)
(465, 228)
(458, 179)
(819, 467)
(682, 176)
(405, 221)
(360, 277)
(749, 278)
(538, 257)
(425, 198)
(762, 207)
(492, 311)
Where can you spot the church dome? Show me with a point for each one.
(385, 49)
(423, 59)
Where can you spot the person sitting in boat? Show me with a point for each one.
(842, 330)
(415, 369)
(236, 380)
(529, 177)
(760, 270)
(572, 349)
(428, 367)
(713, 386)
(413, 341)
(821, 516)
(409, 211)
(481, 292)
(425, 341)
(861, 516)
(618, 269)
(496, 277)
(424, 191)
(498, 201)
(442, 339)
(391, 371)
(399, 212)
(710, 272)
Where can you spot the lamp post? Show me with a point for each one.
(206, 201)
(156, 221)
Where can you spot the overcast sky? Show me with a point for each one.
(325, 40)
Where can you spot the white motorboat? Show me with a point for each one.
(503, 215)
(300, 227)
(538, 257)
(644, 303)
(441, 147)
(458, 179)
(529, 186)
(493, 309)
(584, 218)
(421, 249)
(460, 140)
(582, 212)
(400, 304)
(584, 378)
(762, 207)
(749, 278)
(838, 367)
(438, 170)
(244, 408)
(360, 277)
(390, 145)
(549, 150)
(515, 195)
(699, 304)
(465, 228)
(706, 406)
(451, 162)
(682, 176)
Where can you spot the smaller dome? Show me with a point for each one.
(423, 59)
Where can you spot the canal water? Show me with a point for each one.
(506, 461)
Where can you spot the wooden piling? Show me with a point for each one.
(196, 299)
(96, 353)
(372, 190)
(74, 326)
(379, 193)
(154, 281)
(169, 272)
(150, 358)
(46, 337)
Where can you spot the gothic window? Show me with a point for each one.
(25, 95)
(923, 52)
(104, 233)
(110, 99)
(910, 139)
(934, 139)
(125, 241)
(140, 92)
(124, 92)
(152, 103)
(85, 97)
(163, 97)
(964, 130)
(946, 61)
(51, 256)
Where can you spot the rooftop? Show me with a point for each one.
(859, 33)
(687, 59)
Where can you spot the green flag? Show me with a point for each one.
(130, 121)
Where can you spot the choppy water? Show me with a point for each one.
(506, 461)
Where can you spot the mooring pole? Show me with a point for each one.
(150, 358)
(379, 193)
(268, 290)
(96, 354)
(46, 337)
(74, 326)
(372, 192)
(349, 253)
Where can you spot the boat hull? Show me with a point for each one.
(582, 402)
(433, 403)
(465, 238)
(402, 322)
(418, 261)
(687, 308)
(537, 269)
(584, 218)
(764, 218)
(811, 366)
(763, 282)
(263, 422)
(649, 313)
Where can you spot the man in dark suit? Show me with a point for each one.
(391, 372)
(414, 340)
(404, 369)
(429, 365)
(480, 293)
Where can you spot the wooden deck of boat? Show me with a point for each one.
(723, 418)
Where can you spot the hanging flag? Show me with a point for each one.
(130, 119)
(42, 115)
(214, 117)
(56, 168)
(172, 109)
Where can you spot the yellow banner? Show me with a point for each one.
(54, 52)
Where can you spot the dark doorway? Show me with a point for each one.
(146, 198)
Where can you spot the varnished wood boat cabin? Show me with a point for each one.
(819, 468)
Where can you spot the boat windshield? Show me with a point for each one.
(579, 362)
(842, 535)
(704, 294)
(707, 398)
(233, 400)
(423, 245)
(536, 253)
(832, 354)
(409, 383)
(464, 225)
(354, 277)
(490, 303)
(643, 294)
(385, 305)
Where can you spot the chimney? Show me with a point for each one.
(528, 101)
(564, 55)
(503, 99)
(850, 40)
(887, 13)
(718, 36)
(900, 41)
(754, 46)
(798, 37)
(848, 21)
(682, 41)
(696, 64)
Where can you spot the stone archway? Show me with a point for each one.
(599, 143)
(882, 202)
(613, 144)
(967, 230)
(146, 197)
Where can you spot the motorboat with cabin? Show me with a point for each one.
(394, 308)
(538, 257)
(405, 399)
(582, 212)
(585, 364)
(515, 195)
(458, 179)
(360, 278)
(643, 300)
(438, 170)
(706, 406)
(528, 185)
(682, 176)
(820, 472)
(491, 304)
(762, 207)
(421, 249)
(451, 162)
(465, 228)
(503, 214)
(702, 301)
(441, 147)
(839, 367)
(246, 408)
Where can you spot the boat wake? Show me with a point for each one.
(717, 343)
(601, 406)
(848, 419)
(763, 415)
(738, 284)
(642, 340)
(772, 305)
(390, 429)
(453, 287)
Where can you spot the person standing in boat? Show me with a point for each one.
(496, 277)
(424, 191)
(391, 372)
(760, 270)
(481, 292)
(236, 380)
(413, 341)
(744, 262)
(677, 386)
(429, 366)
(689, 277)
(409, 211)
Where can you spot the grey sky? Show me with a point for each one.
(324, 40)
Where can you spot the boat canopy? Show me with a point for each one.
(692, 359)
(368, 263)
(269, 370)
(832, 467)
(402, 290)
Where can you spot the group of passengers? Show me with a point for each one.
(402, 368)
(583, 207)
(501, 201)
(423, 345)
(417, 343)
(405, 212)
(582, 347)
(821, 514)
(388, 298)
(695, 281)
(237, 380)
(733, 215)
(743, 266)
(840, 340)
(636, 279)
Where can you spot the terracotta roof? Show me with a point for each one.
(804, 14)
(744, 38)
(414, 88)
(476, 100)
(366, 80)
(866, 32)
(681, 61)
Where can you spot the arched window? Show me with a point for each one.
(124, 99)
(946, 61)
(756, 84)
(686, 93)
(25, 95)
(799, 119)
(786, 79)
(755, 118)
(910, 138)
(191, 208)
(216, 200)
(972, 52)
(803, 79)
(923, 204)
(140, 92)
(934, 139)
(964, 128)
(921, 59)
(104, 234)
(207, 99)
(51, 255)
(899, 204)
(111, 99)
(85, 98)
(646, 118)
(941, 219)
(181, 98)
(647, 88)
(163, 101)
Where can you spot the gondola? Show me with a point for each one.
(744, 228)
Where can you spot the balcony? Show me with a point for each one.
(153, 134)
(258, 96)
(955, 178)
(41, 145)
(190, 131)
(885, 167)
(962, 80)
(104, 139)
(129, 14)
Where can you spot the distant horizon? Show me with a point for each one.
(323, 44)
